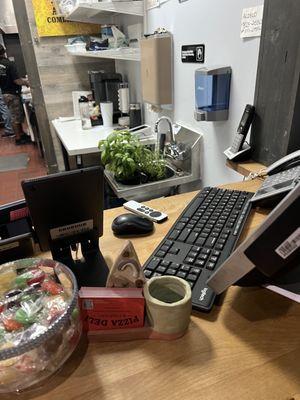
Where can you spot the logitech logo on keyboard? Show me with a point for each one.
(203, 294)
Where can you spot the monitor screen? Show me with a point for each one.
(270, 253)
(66, 206)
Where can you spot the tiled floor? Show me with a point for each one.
(10, 182)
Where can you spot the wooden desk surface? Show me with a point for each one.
(245, 167)
(247, 348)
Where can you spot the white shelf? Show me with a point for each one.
(121, 54)
(98, 12)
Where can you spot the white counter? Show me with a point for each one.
(78, 141)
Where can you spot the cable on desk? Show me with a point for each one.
(261, 174)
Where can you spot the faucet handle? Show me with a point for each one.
(177, 151)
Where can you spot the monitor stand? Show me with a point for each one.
(91, 270)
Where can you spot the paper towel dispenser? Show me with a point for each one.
(157, 69)
(212, 93)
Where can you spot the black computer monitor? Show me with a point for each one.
(67, 210)
(270, 256)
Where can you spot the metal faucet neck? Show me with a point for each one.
(169, 121)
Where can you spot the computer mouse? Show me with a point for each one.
(131, 225)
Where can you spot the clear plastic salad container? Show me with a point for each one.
(40, 324)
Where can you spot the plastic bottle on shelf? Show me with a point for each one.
(123, 93)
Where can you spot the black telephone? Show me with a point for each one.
(282, 177)
(239, 149)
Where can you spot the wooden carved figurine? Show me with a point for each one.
(126, 270)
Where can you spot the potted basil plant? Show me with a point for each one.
(130, 161)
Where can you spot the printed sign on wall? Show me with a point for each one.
(193, 53)
(50, 23)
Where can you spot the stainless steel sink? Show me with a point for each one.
(175, 177)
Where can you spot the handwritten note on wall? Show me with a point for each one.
(251, 21)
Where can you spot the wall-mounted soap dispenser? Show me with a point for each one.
(212, 93)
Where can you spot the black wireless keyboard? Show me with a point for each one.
(200, 241)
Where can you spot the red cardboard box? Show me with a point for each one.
(111, 308)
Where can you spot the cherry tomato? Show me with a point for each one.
(52, 287)
(37, 277)
(11, 325)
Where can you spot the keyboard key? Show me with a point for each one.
(161, 269)
(156, 274)
(165, 248)
(175, 266)
(193, 207)
(180, 226)
(213, 259)
(224, 236)
(200, 241)
(153, 264)
(216, 253)
(192, 254)
(219, 246)
(189, 260)
(203, 235)
(170, 271)
(185, 268)
(174, 250)
(147, 273)
(205, 251)
(196, 249)
(165, 263)
(211, 241)
(184, 220)
(160, 254)
(203, 257)
(191, 278)
(174, 234)
(195, 271)
(181, 274)
(210, 266)
(184, 234)
(192, 237)
(199, 263)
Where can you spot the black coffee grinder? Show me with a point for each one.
(104, 86)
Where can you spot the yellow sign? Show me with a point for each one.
(50, 23)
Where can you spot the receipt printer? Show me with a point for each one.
(16, 235)
(212, 93)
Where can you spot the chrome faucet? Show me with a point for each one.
(171, 132)
(176, 152)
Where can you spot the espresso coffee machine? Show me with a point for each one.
(104, 86)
